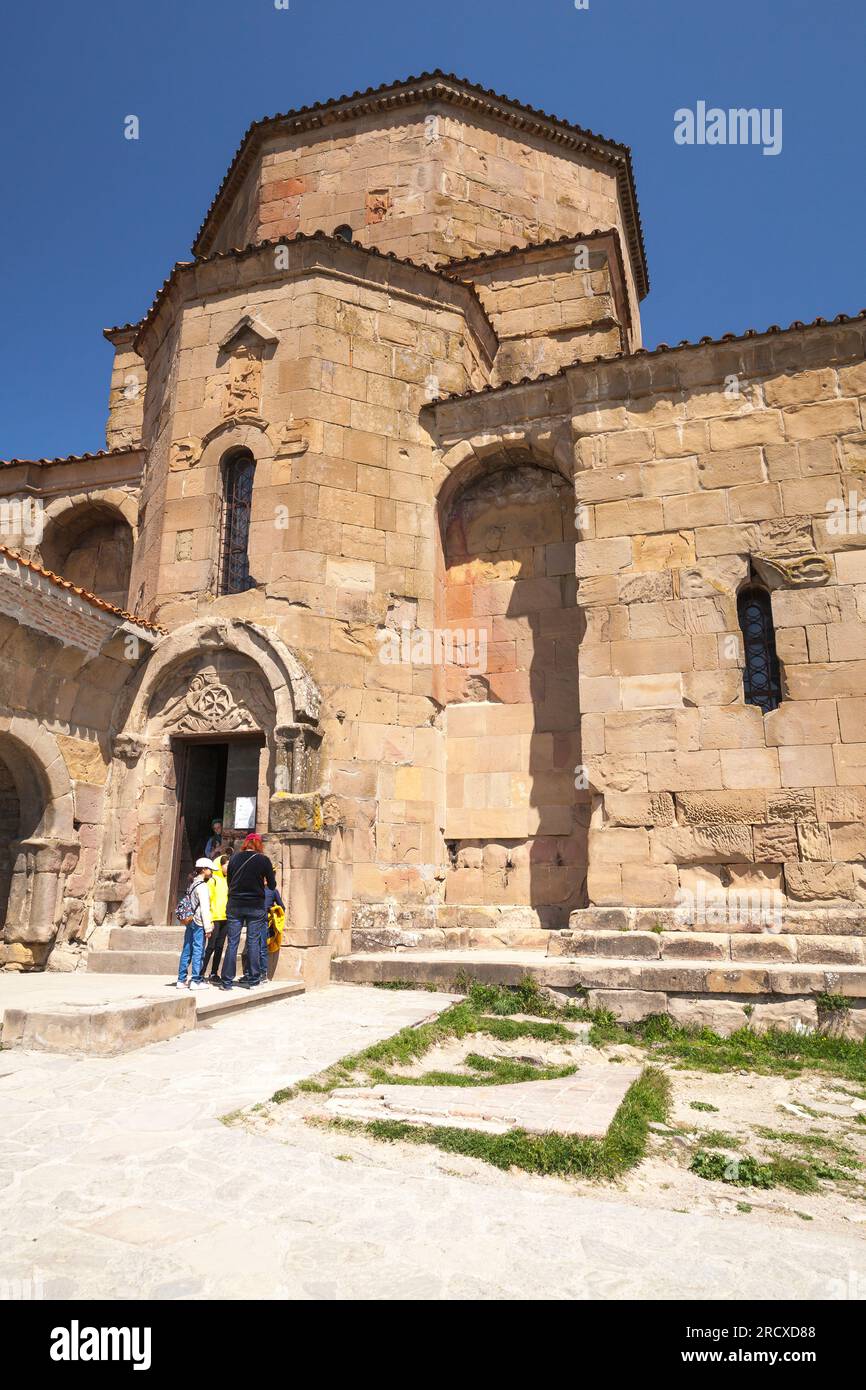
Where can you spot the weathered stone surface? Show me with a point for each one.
(98, 1030)
(490, 650)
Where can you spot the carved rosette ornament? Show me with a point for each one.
(210, 706)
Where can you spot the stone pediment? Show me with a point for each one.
(248, 327)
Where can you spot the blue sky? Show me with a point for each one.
(92, 223)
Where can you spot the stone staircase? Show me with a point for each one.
(639, 962)
(139, 951)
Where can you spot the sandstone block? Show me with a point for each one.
(649, 885)
(694, 946)
(628, 1005)
(637, 809)
(664, 552)
(721, 1015)
(753, 767)
(662, 690)
(803, 722)
(815, 882)
(754, 981)
(740, 727)
(830, 950)
(748, 947)
(680, 772)
(718, 808)
(807, 767)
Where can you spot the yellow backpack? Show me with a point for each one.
(276, 925)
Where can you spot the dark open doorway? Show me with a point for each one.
(216, 780)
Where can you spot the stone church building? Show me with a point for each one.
(506, 633)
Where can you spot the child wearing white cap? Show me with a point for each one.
(197, 927)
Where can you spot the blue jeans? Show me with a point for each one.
(257, 931)
(193, 949)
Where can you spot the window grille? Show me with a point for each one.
(762, 682)
(238, 474)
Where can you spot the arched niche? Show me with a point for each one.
(91, 544)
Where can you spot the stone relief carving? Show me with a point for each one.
(244, 390)
(128, 748)
(288, 439)
(211, 704)
(795, 571)
(185, 453)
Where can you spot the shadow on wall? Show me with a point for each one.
(516, 824)
(91, 545)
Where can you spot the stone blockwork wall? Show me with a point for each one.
(554, 306)
(695, 470)
(429, 183)
(343, 533)
(514, 822)
(55, 754)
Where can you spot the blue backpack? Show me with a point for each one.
(188, 905)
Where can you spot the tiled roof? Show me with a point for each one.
(448, 87)
(255, 247)
(797, 326)
(80, 593)
(451, 268)
(74, 458)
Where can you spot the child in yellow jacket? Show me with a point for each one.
(219, 896)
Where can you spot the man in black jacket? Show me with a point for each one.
(249, 873)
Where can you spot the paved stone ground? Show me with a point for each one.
(118, 1180)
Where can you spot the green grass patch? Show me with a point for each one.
(406, 984)
(485, 1009)
(774, 1052)
(703, 1105)
(486, 1071)
(780, 1171)
(719, 1139)
(832, 1003)
(845, 1156)
(623, 1146)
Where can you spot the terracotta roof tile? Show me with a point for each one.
(442, 85)
(797, 326)
(255, 247)
(451, 268)
(74, 458)
(81, 593)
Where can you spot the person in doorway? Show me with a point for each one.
(219, 893)
(249, 873)
(215, 843)
(197, 928)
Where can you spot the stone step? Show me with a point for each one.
(107, 1027)
(778, 947)
(115, 962)
(790, 920)
(217, 1002)
(402, 938)
(658, 977)
(146, 939)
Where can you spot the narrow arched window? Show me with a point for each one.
(238, 470)
(344, 232)
(762, 682)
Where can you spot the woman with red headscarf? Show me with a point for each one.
(249, 873)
